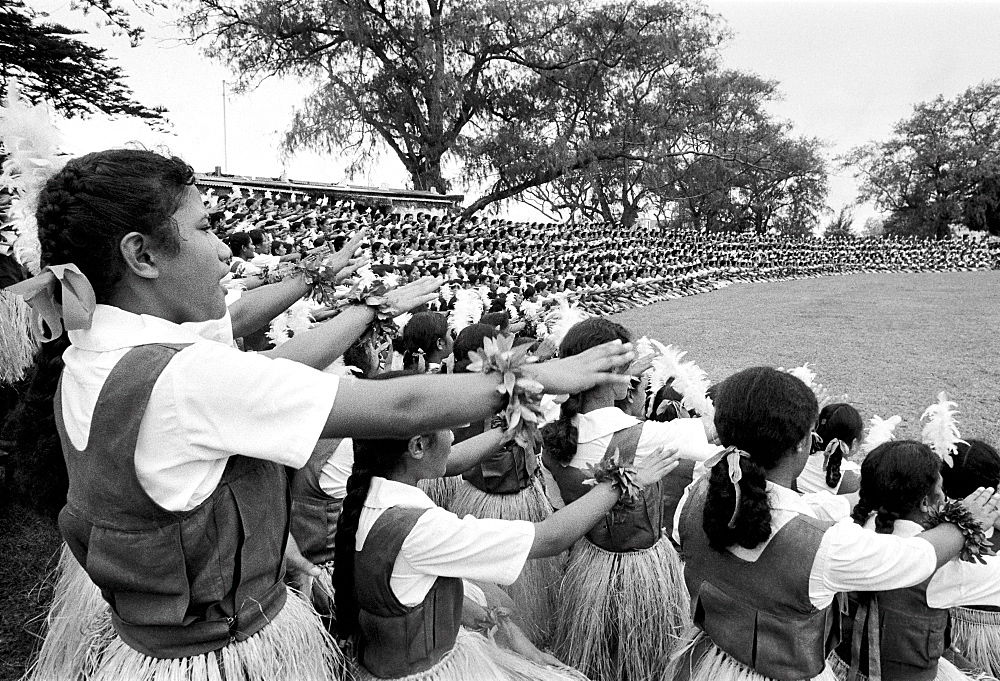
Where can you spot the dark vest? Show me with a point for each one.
(314, 512)
(505, 472)
(622, 529)
(397, 640)
(759, 612)
(178, 583)
(911, 636)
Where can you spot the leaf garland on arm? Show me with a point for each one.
(523, 412)
(940, 432)
(610, 469)
(880, 431)
(976, 545)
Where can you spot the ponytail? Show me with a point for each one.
(748, 525)
(839, 426)
(560, 436)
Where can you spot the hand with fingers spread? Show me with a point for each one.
(984, 505)
(413, 295)
(584, 371)
(353, 265)
(655, 466)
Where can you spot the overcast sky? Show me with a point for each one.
(848, 71)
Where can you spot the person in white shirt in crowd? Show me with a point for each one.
(837, 436)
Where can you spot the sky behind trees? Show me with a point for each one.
(848, 71)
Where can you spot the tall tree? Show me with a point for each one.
(939, 167)
(48, 63)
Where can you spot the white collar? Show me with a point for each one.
(900, 527)
(601, 422)
(113, 328)
(784, 499)
(384, 493)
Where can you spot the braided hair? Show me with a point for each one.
(838, 421)
(372, 458)
(560, 436)
(765, 413)
(895, 477)
(86, 208)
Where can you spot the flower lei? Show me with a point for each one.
(976, 547)
(523, 411)
(320, 280)
(489, 623)
(611, 469)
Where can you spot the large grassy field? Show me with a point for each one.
(890, 341)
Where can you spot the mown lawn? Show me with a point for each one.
(890, 341)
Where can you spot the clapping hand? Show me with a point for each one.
(984, 505)
(413, 295)
(589, 369)
(656, 465)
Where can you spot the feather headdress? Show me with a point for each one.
(296, 318)
(808, 376)
(940, 432)
(468, 310)
(690, 380)
(562, 319)
(31, 143)
(880, 431)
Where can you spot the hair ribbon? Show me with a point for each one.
(832, 446)
(732, 456)
(49, 317)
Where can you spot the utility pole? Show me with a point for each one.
(225, 140)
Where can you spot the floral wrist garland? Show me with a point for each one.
(976, 547)
(373, 293)
(623, 477)
(319, 278)
(490, 622)
(523, 411)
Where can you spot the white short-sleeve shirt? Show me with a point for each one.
(443, 545)
(596, 428)
(211, 402)
(850, 558)
(813, 476)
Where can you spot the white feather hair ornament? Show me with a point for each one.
(692, 383)
(296, 318)
(447, 292)
(808, 376)
(402, 319)
(940, 432)
(562, 319)
(880, 431)
(511, 308)
(531, 311)
(468, 310)
(665, 364)
(31, 143)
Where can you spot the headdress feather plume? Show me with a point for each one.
(690, 380)
(468, 310)
(940, 432)
(564, 318)
(880, 431)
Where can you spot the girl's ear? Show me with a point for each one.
(416, 447)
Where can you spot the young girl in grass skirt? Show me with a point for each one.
(975, 627)
(621, 603)
(402, 565)
(764, 565)
(508, 485)
(176, 445)
(901, 494)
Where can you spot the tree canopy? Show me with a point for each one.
(939, 168)
(48, 63)
(606, 108)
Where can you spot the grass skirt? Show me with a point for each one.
(475, 657)
(715, 665)
(81, 644)
(977, 634)
(442, 491)
(946, 671)
(536, 589)
(621, 614)
(17, 343)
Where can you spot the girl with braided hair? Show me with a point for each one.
(829, 468)
(763, 564)
(403, 567)
(901, 492)
(176, 445)
(426, 338)
(621, 603)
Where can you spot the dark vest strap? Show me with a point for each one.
(314, 512)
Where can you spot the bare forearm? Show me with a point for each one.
(412, 405)
(320, 346)
(563, 528)
(468, 453)
(257, 308)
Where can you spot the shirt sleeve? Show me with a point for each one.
(687, 435)
(851, 558)
(828, 506)
(229, 402)
(959, 583)
(481, 549)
